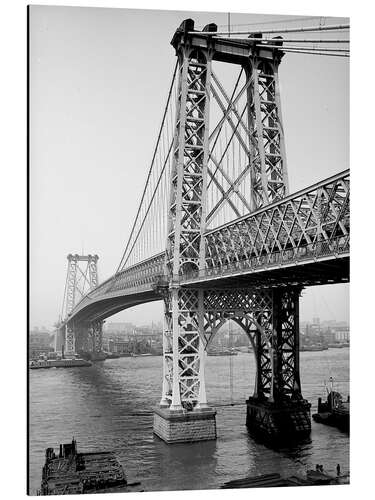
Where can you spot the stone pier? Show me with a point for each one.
(290, 420)
(184, 427)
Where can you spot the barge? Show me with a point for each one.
(58, 363)
(224, 352)
(70, 472)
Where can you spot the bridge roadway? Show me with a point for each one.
(302, 239)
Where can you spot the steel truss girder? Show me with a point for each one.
(193, 317)
(312, 223)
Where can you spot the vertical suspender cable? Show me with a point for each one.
(151, 167)
(230, 361)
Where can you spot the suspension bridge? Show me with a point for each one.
(218, 236)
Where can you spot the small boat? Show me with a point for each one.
(222, 353)
(338, 345)
(334, 411)
(58, 363)
(112, 355)
(313, 348)
(40, 363)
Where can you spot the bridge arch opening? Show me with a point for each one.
(188, 268)
(231, 365)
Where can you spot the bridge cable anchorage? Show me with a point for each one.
(151, 171)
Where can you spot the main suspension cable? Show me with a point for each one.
(315, 53)
(333, 27)
(151, 167)
(295, 19)
(296, 47)
(150, 203)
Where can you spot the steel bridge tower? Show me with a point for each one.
(81, 278)
(269, 316)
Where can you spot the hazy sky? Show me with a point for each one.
(98, 84)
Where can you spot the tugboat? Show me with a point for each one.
(334, 411)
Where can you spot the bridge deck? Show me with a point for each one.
(302, 239)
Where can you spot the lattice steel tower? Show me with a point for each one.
(81, 278)
(193, 315)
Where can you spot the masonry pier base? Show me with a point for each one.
(185, 427)
(279, 422)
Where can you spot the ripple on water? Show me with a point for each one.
(107, 407)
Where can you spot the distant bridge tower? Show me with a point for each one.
(81, 278)
(194, 315)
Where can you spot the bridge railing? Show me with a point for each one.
(143, 274)
(312, 251)
(312, 223)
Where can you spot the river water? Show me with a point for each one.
(108, 406)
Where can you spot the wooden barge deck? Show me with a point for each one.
(71, 472)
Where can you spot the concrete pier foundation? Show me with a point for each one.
(183, 426)
(279, 422)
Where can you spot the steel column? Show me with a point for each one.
(286, 380)
(97, 336)
(186, 250)
(70, 340)
(268, 162)
(187, 209)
